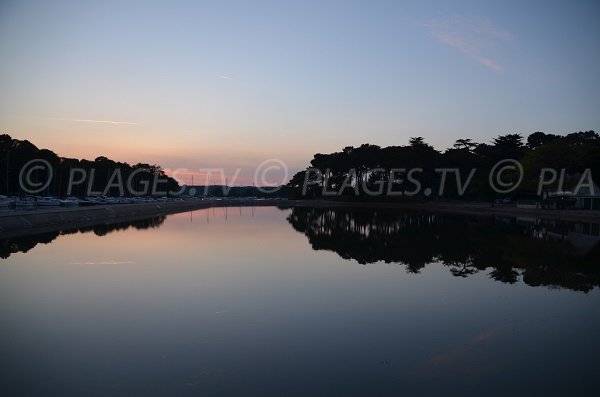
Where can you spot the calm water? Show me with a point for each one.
(274, 302)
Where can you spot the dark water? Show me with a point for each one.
(303, 302)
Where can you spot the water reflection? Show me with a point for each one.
(9, 246)
(541, 253)
(538, 252)
(235, 302)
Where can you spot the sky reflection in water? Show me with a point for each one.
(262, 301)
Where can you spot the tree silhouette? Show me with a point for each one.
(371, 166)
(465, 143)
(16, 153)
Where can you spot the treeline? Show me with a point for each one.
(100, 176)
(357, 170)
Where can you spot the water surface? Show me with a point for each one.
(302, 302)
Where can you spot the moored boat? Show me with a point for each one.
(25, 202)
(48, 202)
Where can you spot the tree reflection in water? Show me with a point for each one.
(541, 253)
(10, 246)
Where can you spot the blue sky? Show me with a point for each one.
(231, 83)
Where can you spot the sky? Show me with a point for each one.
(209, 84)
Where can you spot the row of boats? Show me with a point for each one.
(37, 201)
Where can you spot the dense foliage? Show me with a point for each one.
(356, 170)
(99, 174)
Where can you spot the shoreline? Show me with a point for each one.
(466, 208)
(28, 222)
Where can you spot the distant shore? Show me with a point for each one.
(26, 222)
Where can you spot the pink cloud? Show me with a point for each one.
(491, 64)
(475, 37)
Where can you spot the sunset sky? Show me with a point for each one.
(230, 84)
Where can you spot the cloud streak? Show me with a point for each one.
(94, 121)
(475, 37)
